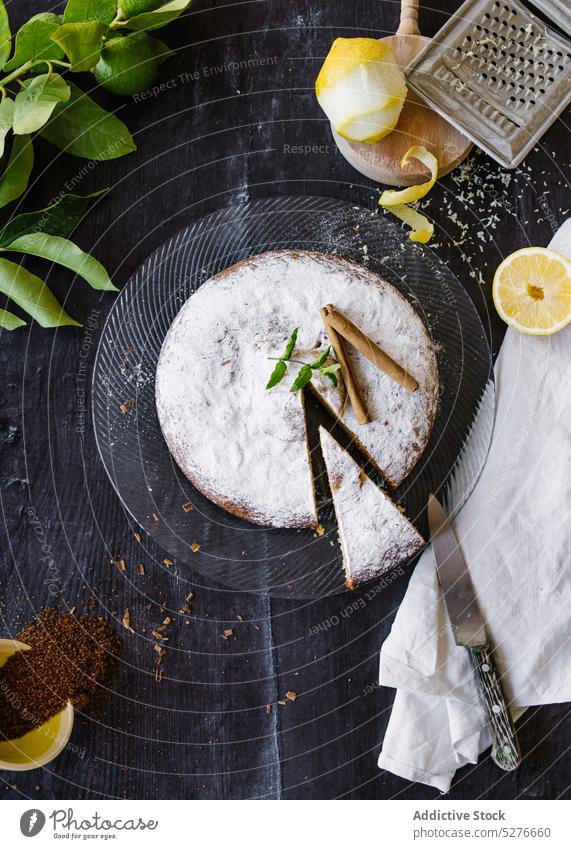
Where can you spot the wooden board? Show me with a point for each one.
(418, 124)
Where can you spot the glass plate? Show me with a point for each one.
(285, 562)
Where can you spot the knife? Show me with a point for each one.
(469, 631)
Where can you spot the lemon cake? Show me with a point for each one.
(245, 447)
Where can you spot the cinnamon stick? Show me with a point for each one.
(338, 346)
(345, 327)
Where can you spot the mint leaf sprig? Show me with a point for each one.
(307, 369)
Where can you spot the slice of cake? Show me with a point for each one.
(375, 536)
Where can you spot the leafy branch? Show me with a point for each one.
(306, 371)
(111, 40)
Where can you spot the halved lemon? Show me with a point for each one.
(532, 291)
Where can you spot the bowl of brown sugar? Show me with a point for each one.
(56, 664)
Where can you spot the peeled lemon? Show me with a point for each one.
(361, 89)
(532, 291)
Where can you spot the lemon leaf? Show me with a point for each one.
(157, 18)
(14, 180)
(32, 295)
(82, 42)
(66, 253)
(89, 10)
(9, 321)
(5, 35)
(35, 103)
(83, 128)
(33, 41)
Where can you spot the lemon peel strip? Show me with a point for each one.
(396, 201)
(391, 197)
(421, 228)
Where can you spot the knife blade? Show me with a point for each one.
(457, 587)
(470, 631)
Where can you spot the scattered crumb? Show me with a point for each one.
(195, 547)
(167, 561)
(187, 506)
(268, 709)
(226, 633)
(137, 536)
(239, 617)
(127, 621)
(320, 530)
(141, 569)
(128, 405)
(291, 695)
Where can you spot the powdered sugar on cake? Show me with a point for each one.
(375, 536)
(245, 447)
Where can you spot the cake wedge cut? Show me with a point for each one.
(375, 536)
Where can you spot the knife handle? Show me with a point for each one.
(505, 747)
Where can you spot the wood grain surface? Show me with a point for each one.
(234, 119)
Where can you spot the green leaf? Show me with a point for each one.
(16, 175)
(9, 321)
(33, 41)
(161, 50)
(321, 359)
(277, 374)
(5, 35)
(330, 372)
(59, 219)
(82, 43)
(65, 253)
(290, 344)
(303, 378)
(37, 100)
(32, 295)
(83, 128)
(6, 120)
(89, 10)
(158, 17)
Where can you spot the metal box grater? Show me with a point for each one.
(498, 74)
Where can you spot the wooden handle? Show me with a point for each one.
(408, 18)
(505, 747)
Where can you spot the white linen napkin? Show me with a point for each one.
(514, 533)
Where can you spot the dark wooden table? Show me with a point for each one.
(227, 127)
